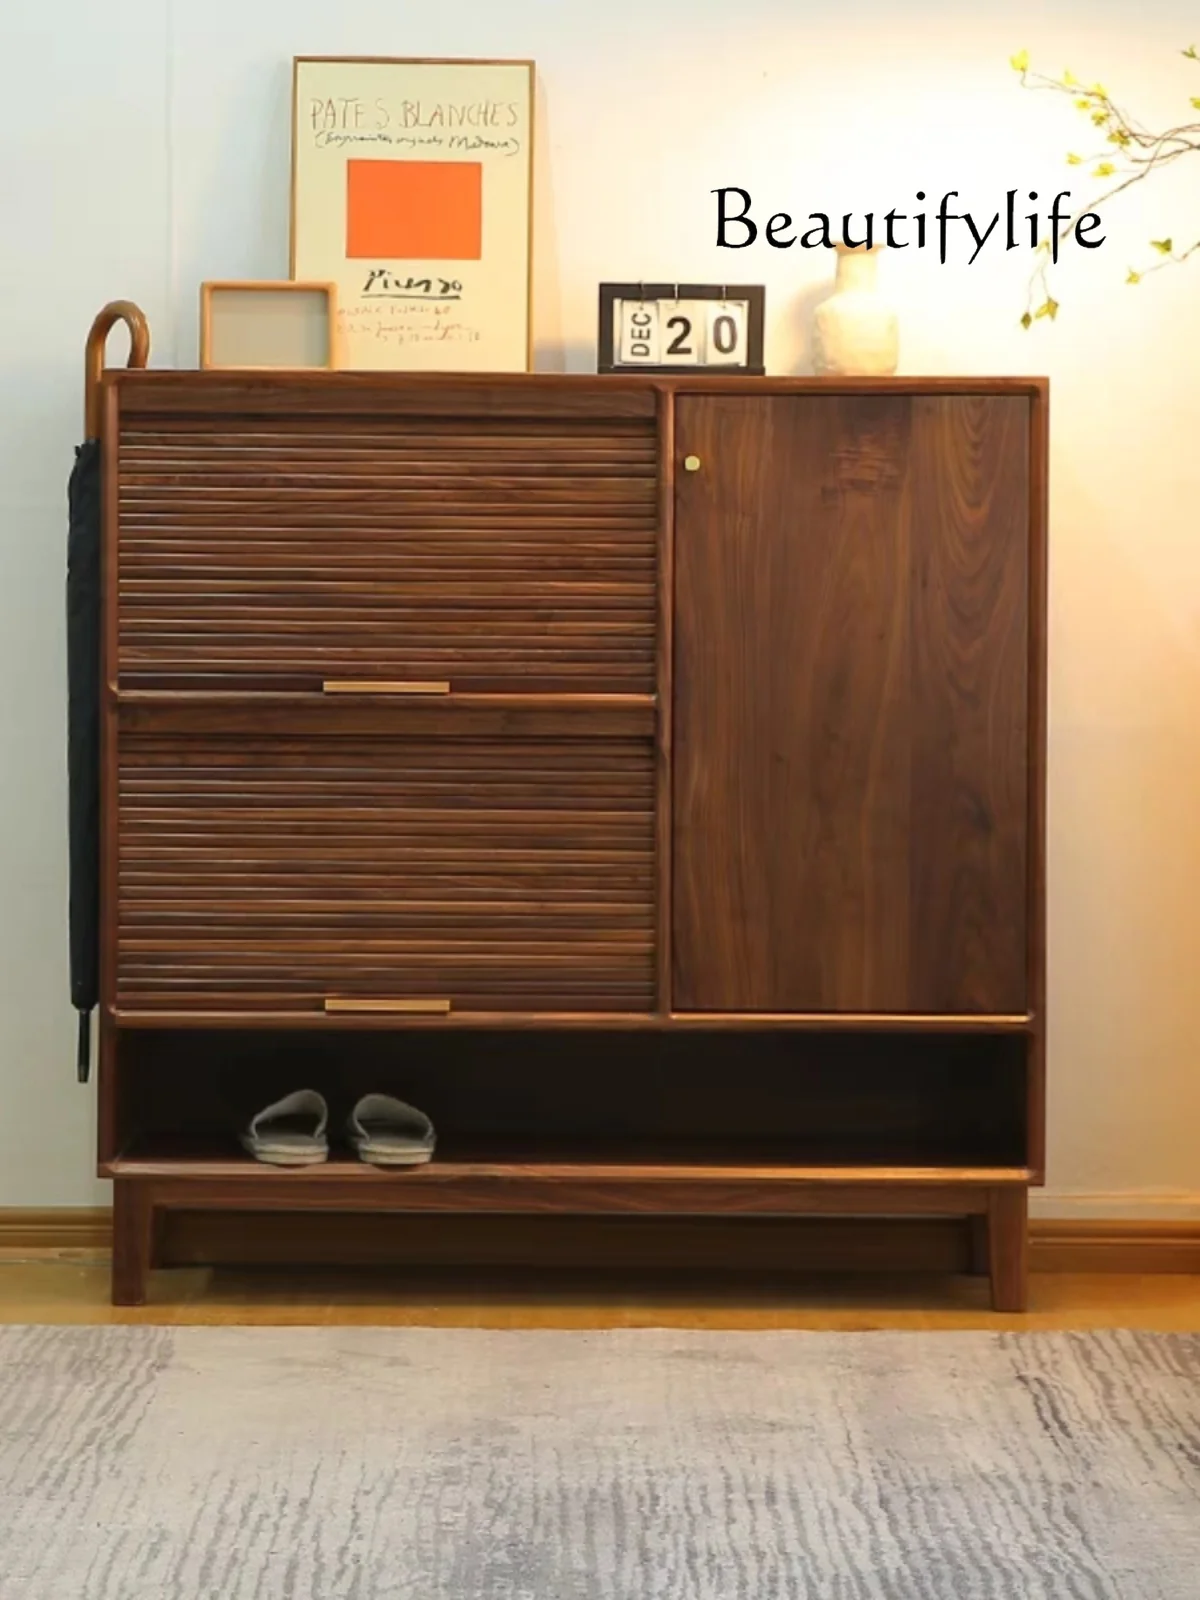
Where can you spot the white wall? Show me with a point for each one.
(145, 147)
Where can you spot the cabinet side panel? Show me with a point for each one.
(1039, 444)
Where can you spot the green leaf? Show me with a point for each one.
(1019, 62)
(1069, 79)
(1118, 136)
(1099, 118)
(1049, 308)
(1134, 277)
(1196, 101)
(1104, 170)
(1191, 53)
(1163, 246)
(1027, 321)
(1073, 160)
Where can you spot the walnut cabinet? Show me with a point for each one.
(645, 777)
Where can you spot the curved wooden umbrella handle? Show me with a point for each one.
(139, 353)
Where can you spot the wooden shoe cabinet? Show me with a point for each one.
(643, 776)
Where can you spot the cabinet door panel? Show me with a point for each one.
(500, 555)
(851, 719)
(280, 873)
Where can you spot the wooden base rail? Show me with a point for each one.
(145, 1189)
(791, 1245)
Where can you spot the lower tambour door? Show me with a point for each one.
(298, 875)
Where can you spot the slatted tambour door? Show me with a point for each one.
(507, 552)
(280, 873)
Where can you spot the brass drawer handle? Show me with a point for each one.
(376, 686)
(438, 1008)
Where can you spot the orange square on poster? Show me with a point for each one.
(414, 210)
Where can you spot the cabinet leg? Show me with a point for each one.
(158, 1231)
(133, 1241)
(980, 1249)
(1008, 1246)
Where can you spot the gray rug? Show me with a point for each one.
(324, 1464)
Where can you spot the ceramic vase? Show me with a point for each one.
(855, 331)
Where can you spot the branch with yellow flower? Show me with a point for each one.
(1130, 154)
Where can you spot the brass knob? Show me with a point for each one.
(691, 463)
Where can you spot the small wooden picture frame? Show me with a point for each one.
(268, 326)
(681, 327)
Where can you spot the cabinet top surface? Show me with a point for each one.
(151, 387)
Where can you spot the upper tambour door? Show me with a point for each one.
(851, 716)
(286, 533)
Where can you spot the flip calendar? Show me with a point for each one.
(655, 327)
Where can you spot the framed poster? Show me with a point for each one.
(412, 191)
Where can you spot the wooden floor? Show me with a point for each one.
(63, 1288)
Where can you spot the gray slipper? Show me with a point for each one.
(389, 1133)
(290, 1133)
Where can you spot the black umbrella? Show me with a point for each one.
(83, 672)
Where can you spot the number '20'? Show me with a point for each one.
(724, 334)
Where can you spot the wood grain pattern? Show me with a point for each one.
(380, 395)
(1008, 1246)
(497, 874)
(111, 1087)
(786, 712)
(586, 1186)
(453, 716)
(891, 1025)
(553, 1168)
(261, 552)
(146, 1187)
(93, 364)
(189, 1015)
(1039, 511)
(664, 678)
(545, 394)
(851, 704)
(968, 518)
(133, 1242)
